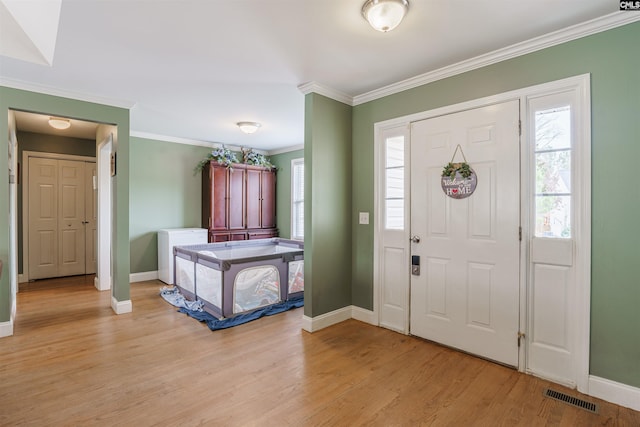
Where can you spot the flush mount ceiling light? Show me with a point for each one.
(248, 127)
(58, 123)
(384, 15)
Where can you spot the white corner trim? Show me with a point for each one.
(336, 95)
(143, 276)
(102, 285)
(65, 93)
(121, 307)
(285, 150)
(6, 329)
(614, 392)
(364, 315)
(21, 278)
(312, 324)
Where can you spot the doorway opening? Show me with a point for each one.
(81, 151)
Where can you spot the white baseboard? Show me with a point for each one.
(614, 392)
(102, 285)
(143, 276)
(364, 315)
(312, 324)
(22, 278)
(6, 329)
(121, 307)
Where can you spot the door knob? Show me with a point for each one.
(415, 239)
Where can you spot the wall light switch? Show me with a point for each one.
(364, 217)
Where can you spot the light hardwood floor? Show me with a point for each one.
(72, 362)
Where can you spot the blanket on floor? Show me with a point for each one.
(214, 323)
(194, 309)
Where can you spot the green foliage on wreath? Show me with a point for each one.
(451, 168)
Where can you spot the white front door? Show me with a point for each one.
(467, 293)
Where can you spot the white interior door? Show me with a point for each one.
(71, 206)
(43, 218)
(91, 218)
(467, 293)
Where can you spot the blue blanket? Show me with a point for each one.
(214, 323)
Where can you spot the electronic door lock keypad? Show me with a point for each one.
(415, 265)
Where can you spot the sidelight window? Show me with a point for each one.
(552, 156)
(394, 183)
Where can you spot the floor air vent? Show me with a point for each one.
(573, 401)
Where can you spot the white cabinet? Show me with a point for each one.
(167, 239)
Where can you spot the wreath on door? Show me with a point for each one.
(458, 180)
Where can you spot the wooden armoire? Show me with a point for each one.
(238, 202)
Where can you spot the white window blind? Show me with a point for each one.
(553, 147)
(297, 199)
(394, 183)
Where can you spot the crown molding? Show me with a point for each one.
(285, 150)
(309, 87)
(187, 141)
(63, 93)
(174, 139)
(607, 22)
(574, 32)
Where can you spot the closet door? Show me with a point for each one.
(43, 218)
(61, 226)
(71, 223)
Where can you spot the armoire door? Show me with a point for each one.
(268, 199)
(253, 198)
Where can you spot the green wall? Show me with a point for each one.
(613, 59)
(327, 210)
(53, 105)
(283, 190)
(165, 193)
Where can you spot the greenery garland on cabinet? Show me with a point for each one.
(226, 157)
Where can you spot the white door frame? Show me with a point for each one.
(26, 155)
(103, 270)
(581, 84)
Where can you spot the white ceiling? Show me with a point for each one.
(193, 68)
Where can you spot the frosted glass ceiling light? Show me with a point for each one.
(248, 127)
(58, 123)
(385, 15)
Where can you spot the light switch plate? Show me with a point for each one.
(364, 217)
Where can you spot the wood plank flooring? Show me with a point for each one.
(72, 362)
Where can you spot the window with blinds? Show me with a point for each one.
(553, 147)
(394, 183)
(297, 199)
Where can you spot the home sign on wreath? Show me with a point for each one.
(458, 179)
